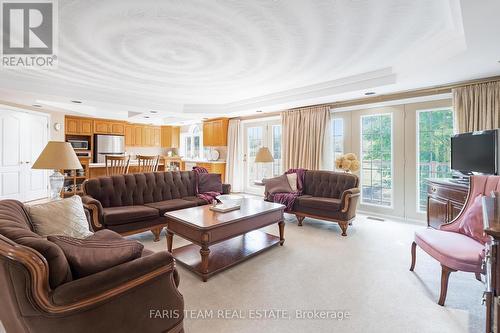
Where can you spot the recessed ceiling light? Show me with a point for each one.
(258, 111)
(76, 102)
(369, 93)
(153, 111)
(37, 105)
(147, 117)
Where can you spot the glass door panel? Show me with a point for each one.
(255, 136)
(428, 128)
(434, 129)
(376, 160)
(276, 151)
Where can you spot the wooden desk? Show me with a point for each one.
(491, 218)
(445, 200)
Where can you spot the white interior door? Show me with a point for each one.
(22, 137)
(11, 155)
(35, 141)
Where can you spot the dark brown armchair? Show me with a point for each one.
(38, 293)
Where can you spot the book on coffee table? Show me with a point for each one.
(222, 208)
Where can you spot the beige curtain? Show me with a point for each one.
(304, 137)
(477, 107)
(234, 159)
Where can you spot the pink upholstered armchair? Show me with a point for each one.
(460, 244)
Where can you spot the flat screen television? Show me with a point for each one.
(475, 152)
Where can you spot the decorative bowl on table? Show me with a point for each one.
(230, 199)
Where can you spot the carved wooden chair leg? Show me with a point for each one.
(445, 274)
(413, 255)
(478, 277)
(156, 232)
(343, 226)
(300, 219)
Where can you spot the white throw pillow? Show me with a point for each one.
(62, 217)
(292, 180)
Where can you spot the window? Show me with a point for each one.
(376, 160)
(276, 151)
(434, 129)
(338, 137)
(191, 143)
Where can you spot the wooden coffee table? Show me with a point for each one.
(225, 238)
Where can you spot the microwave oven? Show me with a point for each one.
(79, 144)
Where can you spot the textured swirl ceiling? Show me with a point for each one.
(195, 54)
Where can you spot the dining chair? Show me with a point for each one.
(460, 244)
(117, 165)
(148, 163)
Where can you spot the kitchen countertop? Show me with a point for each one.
(204, 161)
(103, 165)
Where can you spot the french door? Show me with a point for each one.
(22, 138)
(399, 148)
(382, 157)
(255, 136)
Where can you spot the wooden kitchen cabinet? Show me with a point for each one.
(146, 136)
(445, 200)
(170, 136)
(157, 136)
(219, 168)
(118, 128)
(102, 126)
(77, 126)
(215, 132)
(142, 135)
(129, 135)
(138, 135)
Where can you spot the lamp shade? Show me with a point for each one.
(57, 155)
(264, 156)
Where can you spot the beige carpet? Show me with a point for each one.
(365, 274)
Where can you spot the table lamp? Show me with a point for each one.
(263, 156)
(57, 156)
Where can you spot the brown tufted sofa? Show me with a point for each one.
(38, 293)
(134, 203)
(328, 195)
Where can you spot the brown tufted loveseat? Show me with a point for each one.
(328, 195)
(134, 203)
(38, 293)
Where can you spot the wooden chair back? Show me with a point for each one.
(117, 165)
(148, 163)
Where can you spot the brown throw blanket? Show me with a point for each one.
(288, 199)
(208, 197)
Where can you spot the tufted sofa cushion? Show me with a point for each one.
(328, 184)
(128, 214)
(15, 225)
(141, 188)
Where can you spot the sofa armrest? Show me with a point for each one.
(226, 188)
(115, 281)
(349, 201)
(94, 207)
